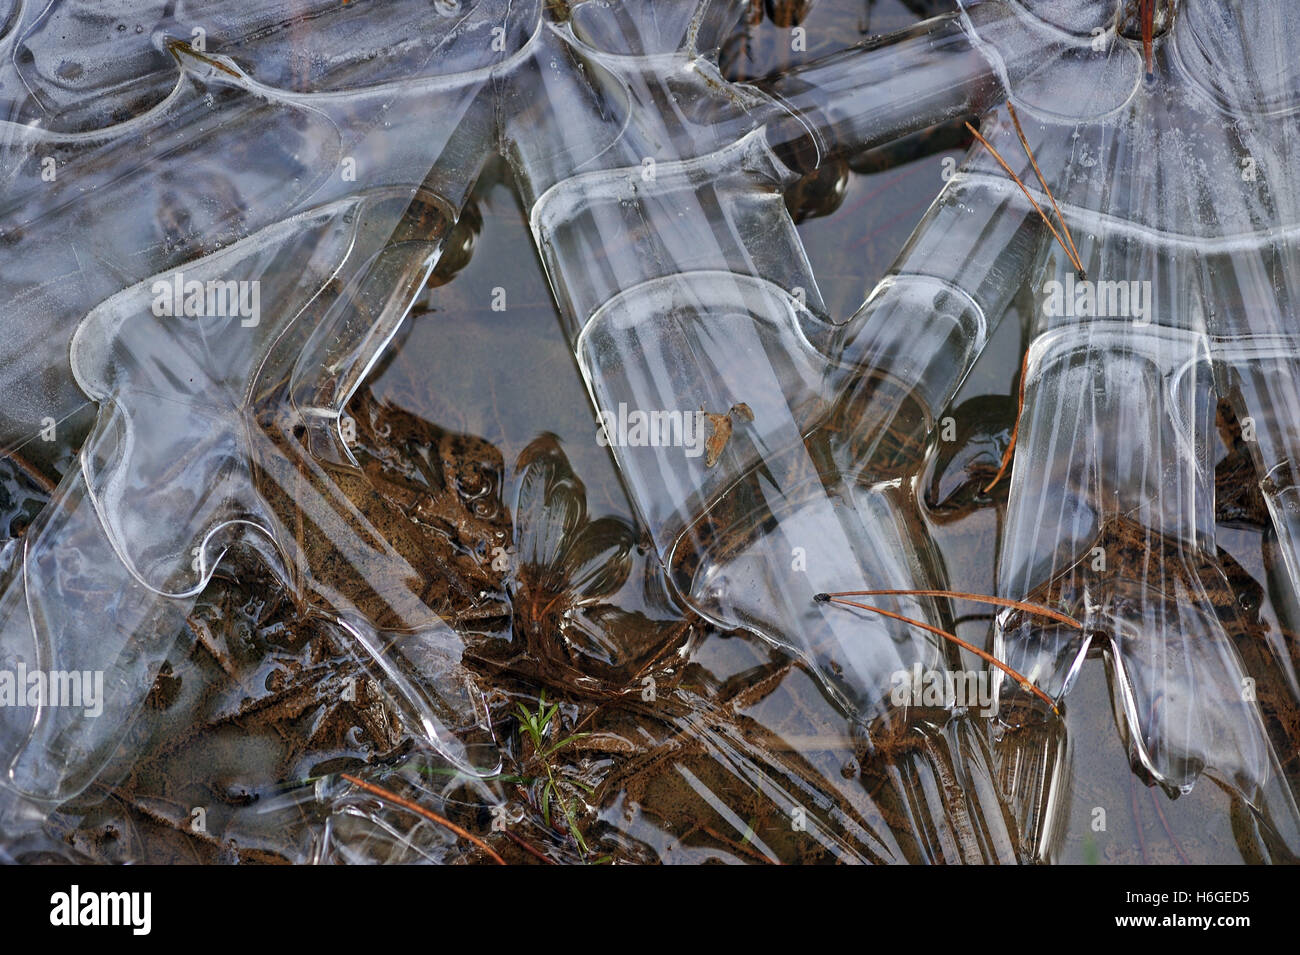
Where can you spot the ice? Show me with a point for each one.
(216, 220)
(260, 278)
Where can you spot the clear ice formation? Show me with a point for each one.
(261, 152)
(250, 231)
(1177, 190)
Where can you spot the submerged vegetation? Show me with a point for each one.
(366, 577)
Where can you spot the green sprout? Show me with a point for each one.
(536, 725)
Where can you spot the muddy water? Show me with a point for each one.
(261, 705)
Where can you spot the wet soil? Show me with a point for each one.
(666, 740)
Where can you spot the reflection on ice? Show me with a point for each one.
(218, 217)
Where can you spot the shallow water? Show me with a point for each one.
(261, 703)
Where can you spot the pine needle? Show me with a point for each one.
(419, 810)
(982, 654)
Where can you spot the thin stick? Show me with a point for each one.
(529, 848)
(1032, 201)
(1015, 431)
(983, 655)
(1065, 226)
(421, 811)
(31, 472)
(738, 846)
(1148, 32)
(962, 595)
(173, 46)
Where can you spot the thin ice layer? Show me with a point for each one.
(257, 316)
(1185, 217)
